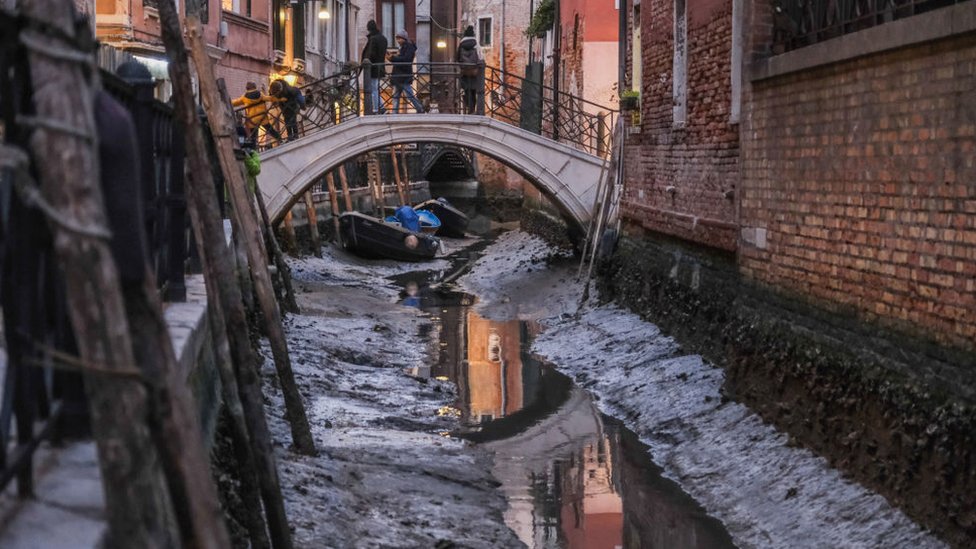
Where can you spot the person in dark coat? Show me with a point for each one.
(290, 101)
(375, 52)
(402, 78)
(471, 63)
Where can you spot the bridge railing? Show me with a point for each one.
(435, 87)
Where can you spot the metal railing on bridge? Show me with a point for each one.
(440, 88)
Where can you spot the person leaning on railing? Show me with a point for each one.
(402, 77)
(256, 114)
(290, 100)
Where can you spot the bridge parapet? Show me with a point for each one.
(506, 97)
(568, 176)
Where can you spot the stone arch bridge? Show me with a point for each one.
(568, 176)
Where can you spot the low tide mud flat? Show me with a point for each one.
(389, 475)
(385, 476)
(766, 491)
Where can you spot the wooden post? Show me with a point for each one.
(288, 232)
(406, 171)
(271, 241)
(334, 200)
(345, 187)
(313, 224)
(218, 269)
(396, 176)
(63, 143)
(224, 135)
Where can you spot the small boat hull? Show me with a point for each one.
(373, 238)
(453, 221)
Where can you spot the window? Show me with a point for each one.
(679, 76)
(393, 17)
(484, 31)
(576, 31)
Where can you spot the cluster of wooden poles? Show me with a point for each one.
(401, 178)
(156, 471)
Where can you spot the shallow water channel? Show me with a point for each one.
(574, 478)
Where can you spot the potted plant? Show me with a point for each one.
(630, 100)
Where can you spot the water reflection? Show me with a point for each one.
(573, 477)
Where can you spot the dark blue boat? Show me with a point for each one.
(374, 238)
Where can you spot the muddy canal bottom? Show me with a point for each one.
(574, 478)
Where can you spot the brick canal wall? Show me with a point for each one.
(849, 390)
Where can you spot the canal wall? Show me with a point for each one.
(894, 412)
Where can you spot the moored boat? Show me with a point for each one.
(429, 223)
(374, 238)
(453, 221)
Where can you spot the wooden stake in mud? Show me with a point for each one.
(396, 176)
(406, 171)
(291, 305)
(224, 135)
(63, 142)
(345, 187)
(218, 268)
(288, 231)
(334, 201)
(313, 224)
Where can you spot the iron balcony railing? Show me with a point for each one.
(799, 23)
(438, 87)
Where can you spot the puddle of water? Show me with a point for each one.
(574, 478)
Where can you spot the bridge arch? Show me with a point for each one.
(569, 177)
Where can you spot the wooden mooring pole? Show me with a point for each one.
(334, 201)
(345, 188)
(313, 225)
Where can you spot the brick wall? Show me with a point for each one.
(858, 187)
(681, 178)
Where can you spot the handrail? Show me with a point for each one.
(438, 87)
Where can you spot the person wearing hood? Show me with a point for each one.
(290, 100)
(471, 63)
(375, 52)
(402, 77)
(256, 114)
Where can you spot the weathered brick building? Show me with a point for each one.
(835, 157)
(858, 180)
(683, 157)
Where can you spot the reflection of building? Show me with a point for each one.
(494, 368)
(592, 511)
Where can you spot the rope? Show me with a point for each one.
(52, 125)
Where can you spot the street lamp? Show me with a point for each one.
(323, 11)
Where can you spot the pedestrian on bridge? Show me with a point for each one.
(256, 114)
(290, 100)
(375, 52)
(402, 78)
(471, 62)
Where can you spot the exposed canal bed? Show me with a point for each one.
(563, 465)
(438, 424)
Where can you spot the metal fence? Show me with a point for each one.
(799, 23)
(440, 88)
(40, 402)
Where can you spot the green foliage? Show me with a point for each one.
(542, 19)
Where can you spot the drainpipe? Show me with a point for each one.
(502, 48)
(531, 38)
(622, 45)
(556, 46)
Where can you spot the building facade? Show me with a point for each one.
(800, 187)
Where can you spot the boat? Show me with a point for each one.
(374, 238)
(453, 221)
(429, 223)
